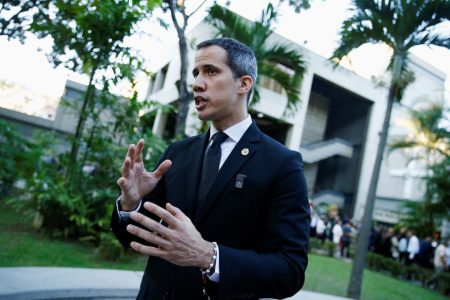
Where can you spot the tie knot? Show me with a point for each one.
(219, 137)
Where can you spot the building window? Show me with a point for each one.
(161, 79)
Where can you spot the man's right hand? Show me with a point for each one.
(136, 181)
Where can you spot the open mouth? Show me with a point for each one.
(200, 103)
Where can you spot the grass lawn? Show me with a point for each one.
(330, 276)
(20, 245)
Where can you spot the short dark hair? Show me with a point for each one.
(240, 58)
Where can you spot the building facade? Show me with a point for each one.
(336, 127)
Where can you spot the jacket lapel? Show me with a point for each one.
(193, 172)
(241, 153)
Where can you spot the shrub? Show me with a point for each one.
(12, 153)
(79, 206)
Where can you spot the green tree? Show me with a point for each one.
(184, 95)
(88, 37)
(277, 62)
(428, 141)
(400, 24)
(16, 16)
(299, 5)
(12, 153)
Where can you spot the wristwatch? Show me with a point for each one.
(125, 215)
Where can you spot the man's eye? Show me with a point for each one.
(195, 74)
(212, 72)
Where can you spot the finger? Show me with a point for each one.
(148, 236)
(162, 169)
(165, 216)
(132, 154)
(175, 211)
(147, 250)
(126, 168)
(150, 224)
(139, 150)
(121, 183)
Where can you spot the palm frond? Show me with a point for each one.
(228, 24)
(272, 60)
(401, 24)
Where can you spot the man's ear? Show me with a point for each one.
(246, 84)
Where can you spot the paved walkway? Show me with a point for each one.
(78, 283)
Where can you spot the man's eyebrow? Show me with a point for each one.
(210, 66)
(205, 66)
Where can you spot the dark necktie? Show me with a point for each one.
(211, 163)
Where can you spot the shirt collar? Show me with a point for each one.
(236, 131)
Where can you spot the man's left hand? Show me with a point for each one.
(180, 243)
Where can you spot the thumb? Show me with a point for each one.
(162, 169)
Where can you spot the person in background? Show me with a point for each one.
(337, 235)
(394, 247)
(413, 247)
(403, 245)
(321, 228)
(440, 264)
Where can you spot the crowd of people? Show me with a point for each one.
(331, 227)
(402, 245)
(407, 248)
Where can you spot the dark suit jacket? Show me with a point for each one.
(262, 227)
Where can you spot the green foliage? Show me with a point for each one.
(83, 210)
(399, 24)
(71, 195)
(16, 16)
(399, 270)
(273, 60)
(428, 141)
(299, 5)
(11, 152)
(89, 36)
(415, 215)
(439, 186)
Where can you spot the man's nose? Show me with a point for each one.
(199, 84)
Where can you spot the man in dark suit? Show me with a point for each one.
(225, 215)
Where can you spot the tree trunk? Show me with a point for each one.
(185, 97)
(80, 127)
(362, 243)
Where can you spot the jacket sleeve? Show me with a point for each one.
(278, 269)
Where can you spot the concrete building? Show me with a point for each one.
(336, 127)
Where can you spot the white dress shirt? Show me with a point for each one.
(235, 134)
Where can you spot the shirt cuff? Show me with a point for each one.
(124, 216)
(215, 277)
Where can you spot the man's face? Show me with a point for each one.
(216, 91)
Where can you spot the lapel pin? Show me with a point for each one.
(240, 181)
(245, 151)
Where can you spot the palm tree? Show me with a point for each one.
(428, 136)
(283, 65)
(402, 25)
(428, 141)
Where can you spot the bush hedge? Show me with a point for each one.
(414, 272)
